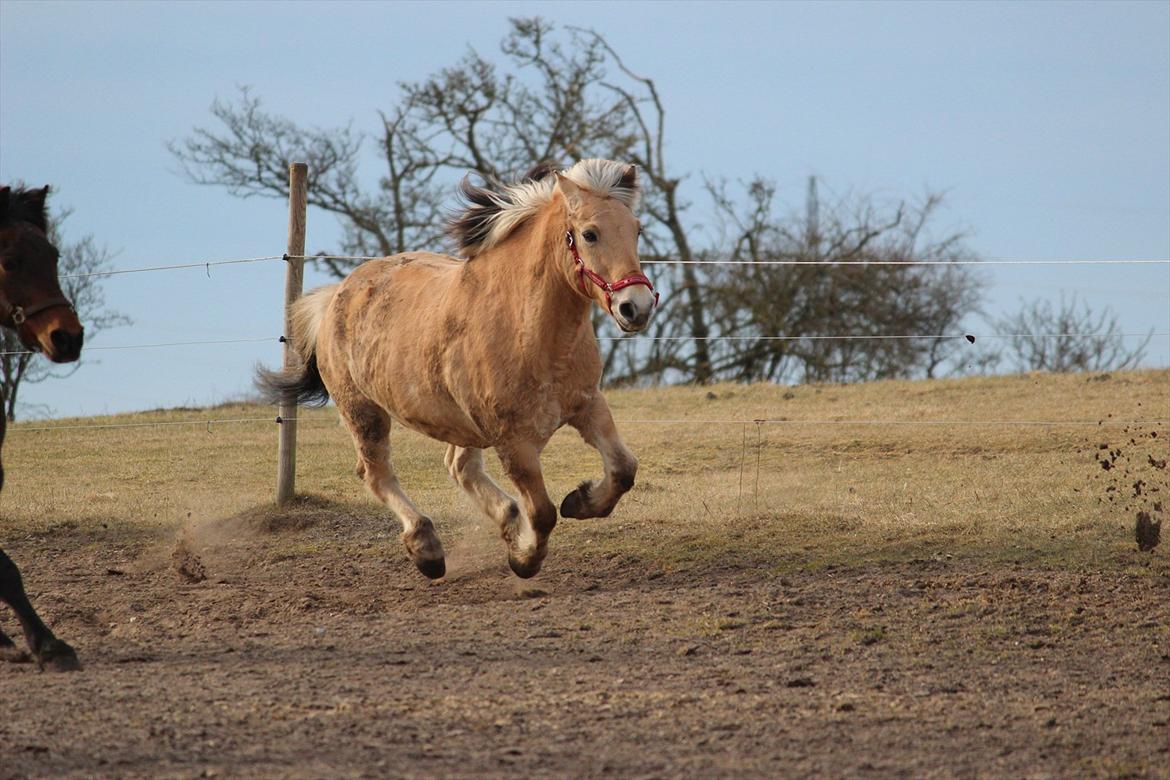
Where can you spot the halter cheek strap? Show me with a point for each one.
(584, 273)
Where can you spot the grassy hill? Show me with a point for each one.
(840, 475)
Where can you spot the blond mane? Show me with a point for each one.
(494, 211)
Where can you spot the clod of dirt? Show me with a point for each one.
(186, 562)
(1148, 531)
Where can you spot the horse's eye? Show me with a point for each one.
(590, 236)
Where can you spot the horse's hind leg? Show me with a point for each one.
(49, 652)
(370, 427)
(527, 538)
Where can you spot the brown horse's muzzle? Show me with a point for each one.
(58, 333)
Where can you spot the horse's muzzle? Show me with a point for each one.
(64, 345)
(632, 307)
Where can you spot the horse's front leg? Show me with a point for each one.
(594, 498)
(49, 652)
(526, 534)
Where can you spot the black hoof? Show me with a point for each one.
(58, 657)
(14, 655)
(524, 571)
(434, 568)
(576, 504)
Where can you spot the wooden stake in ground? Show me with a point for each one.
(294, 280)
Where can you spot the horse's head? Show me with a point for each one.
(31, 301)
(602, 239)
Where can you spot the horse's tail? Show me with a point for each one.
(305, 385)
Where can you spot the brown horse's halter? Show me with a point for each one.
(19, 314)
(584, 273)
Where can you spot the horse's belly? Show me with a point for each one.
(412, 347)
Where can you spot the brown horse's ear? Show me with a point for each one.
(570, 190)
(5, 193)
(34, 202)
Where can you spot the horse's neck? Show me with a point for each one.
(549, 315)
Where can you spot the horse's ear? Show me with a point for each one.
(570, 190)
(5, 193)
(629, 178)
(34, 201)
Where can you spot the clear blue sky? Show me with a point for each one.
(1047, 123)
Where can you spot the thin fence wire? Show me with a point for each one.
(162, 344)
(205, 264)
(969, 337)
(904, 262)
(758, 422)
(825, 262)
(152, 424)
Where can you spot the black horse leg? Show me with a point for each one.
(10, 652)
(49, 652)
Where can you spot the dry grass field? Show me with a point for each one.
(892, 579)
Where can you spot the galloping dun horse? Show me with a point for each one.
(495, 350)
(31, 304)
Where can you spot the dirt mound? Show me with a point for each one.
(301, 513)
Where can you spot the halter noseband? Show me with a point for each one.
(584, 273)
(19, 314)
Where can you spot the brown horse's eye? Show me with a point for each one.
(590, 236)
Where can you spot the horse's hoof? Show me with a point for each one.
(576, 504)
(14, 655)
(524, 570)
(57, 656)
(433, 568)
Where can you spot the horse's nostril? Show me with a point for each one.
(65, 343)
(627, 310)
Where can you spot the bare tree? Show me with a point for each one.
(831, 314)
(669, 241)
(562, 95)
(1069, 337)
(468, 117)
(80, 266)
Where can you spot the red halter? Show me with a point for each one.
(584, 273)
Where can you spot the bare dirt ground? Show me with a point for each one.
(333, 664)
(888, 597)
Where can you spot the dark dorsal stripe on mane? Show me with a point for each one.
(19, 204)
(494, 209)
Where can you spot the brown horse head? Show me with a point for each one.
(31, 301)
(602, 234)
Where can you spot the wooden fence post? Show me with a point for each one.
(294, 281)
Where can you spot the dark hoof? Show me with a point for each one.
(58, 657)
(524, 571)
(14, 655)
(433, 568)
(576, 504)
